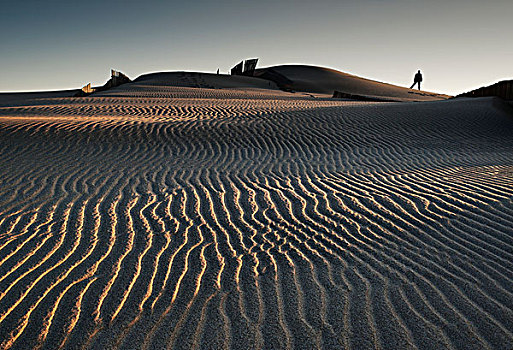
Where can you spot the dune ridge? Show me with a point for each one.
(325, 81)
(154, 216)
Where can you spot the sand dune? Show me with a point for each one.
(153, 216)
(325, 81)
(16, 98)
(204, 80)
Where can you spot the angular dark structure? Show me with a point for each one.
(246, 67)
(116, 79)
(250, 66)
(502, 89)
(237, 69)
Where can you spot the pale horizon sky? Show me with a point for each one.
(459, 45)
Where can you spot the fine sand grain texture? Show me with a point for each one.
(178, 215)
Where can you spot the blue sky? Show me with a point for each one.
(459, 45)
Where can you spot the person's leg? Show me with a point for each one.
(419, 85)
(411, 87)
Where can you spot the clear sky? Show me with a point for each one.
(458, 44)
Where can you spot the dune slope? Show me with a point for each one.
(154, 216)
(324, 80)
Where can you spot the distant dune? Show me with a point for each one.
(9, 98)
(204, 80)
(196, 211)
(319, 81)
(299, 79)
(324, 80)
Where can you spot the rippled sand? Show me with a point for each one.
(157, 217)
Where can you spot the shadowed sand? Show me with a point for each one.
(325, 81)
(170, 214)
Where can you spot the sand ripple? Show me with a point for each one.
(167, 217)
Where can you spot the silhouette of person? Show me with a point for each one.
(217, 71)
(417, 79)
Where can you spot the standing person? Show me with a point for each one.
(417, 79)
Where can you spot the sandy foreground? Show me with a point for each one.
(154, 216)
